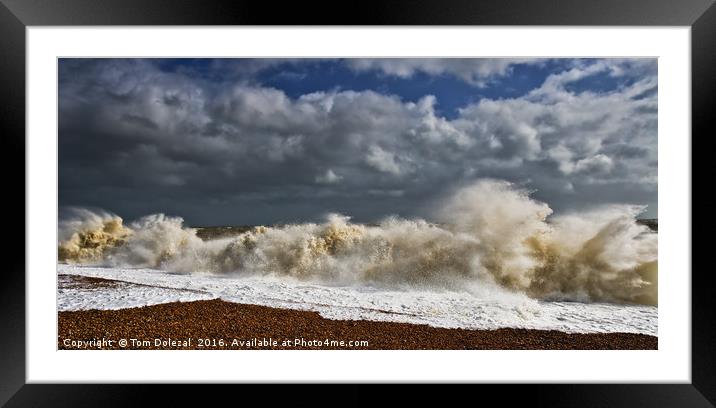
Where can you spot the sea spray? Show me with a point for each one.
(85, 236)
(491, 237)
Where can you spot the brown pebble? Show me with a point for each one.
(219, 320)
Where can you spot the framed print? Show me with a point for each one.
(462, 192)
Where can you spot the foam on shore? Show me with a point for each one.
(438, 308)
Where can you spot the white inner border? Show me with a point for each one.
(671, 363)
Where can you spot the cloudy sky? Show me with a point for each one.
(249, 141)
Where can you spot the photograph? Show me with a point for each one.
(456, 192)
(357, 203)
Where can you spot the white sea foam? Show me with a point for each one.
(121, 295)
(436, 307)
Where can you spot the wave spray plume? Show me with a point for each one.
(490, 236)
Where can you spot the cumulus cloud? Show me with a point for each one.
(329, 177)
(599, 163)
(475, 71)
(381, 160)
(136, 139)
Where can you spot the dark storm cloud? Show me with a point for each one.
(136, 138)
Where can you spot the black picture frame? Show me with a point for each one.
(16, 15)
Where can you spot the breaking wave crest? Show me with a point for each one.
(488, 235)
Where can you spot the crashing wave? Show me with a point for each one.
(490, 234)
